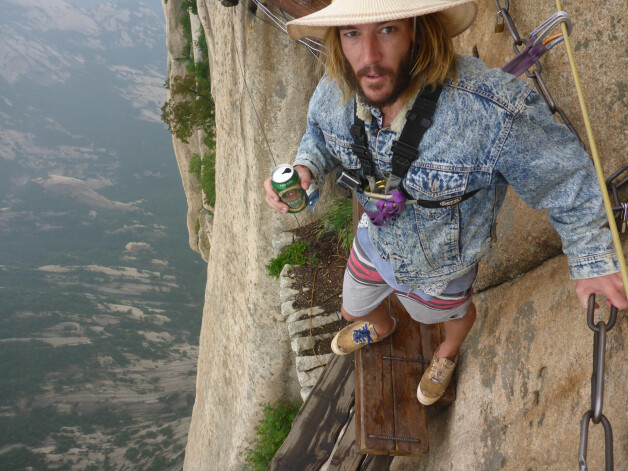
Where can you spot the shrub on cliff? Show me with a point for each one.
(294, 254)
(270, 433)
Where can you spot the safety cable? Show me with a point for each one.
(313, 46)
(596, 158)
(310, 315)
(259, 121)
(594, 414)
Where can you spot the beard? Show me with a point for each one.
(400, 79)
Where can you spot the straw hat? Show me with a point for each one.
(459, 13)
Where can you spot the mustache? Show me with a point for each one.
(373, 70)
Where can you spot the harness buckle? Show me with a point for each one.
(407, 153)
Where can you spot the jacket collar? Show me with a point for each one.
(366, 113)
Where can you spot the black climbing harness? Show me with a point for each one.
(390, 193)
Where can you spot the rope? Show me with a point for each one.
(259, 121)
(311, 307)
(596, 158)
(313, 46)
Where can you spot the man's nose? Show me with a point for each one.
(371, 52)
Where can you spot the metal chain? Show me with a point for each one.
(601, 328)
(535, 72)
(597, 389)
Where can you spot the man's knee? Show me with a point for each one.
(346, 315)
(471, 312)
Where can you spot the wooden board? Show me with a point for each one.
(386, 379)
(345, 457)
(317, 426)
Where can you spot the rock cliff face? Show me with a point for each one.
(523, 380)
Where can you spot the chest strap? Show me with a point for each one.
(406, 149)
(447, 202)
(418, 120)
(360, 145)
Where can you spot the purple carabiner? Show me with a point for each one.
(386, 209)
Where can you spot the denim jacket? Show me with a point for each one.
(489, 130)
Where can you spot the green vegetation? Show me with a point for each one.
(294, 254)
(204, 169)
(132, 454)
(270, 433)
(191, 106)
(25, 366)
(338, 220)
(122, 438)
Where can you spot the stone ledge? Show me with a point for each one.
(308, 367)
(302, 344)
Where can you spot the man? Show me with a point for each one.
(487, 130)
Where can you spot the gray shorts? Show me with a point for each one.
(364, 289)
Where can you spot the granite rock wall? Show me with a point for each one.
(524, 373)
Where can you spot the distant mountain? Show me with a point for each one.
(101, 297)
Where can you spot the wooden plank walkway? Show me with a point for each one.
(387, 375)
(322, 417)
(335, 428)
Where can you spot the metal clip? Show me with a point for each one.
(543, 31)
(591, 311)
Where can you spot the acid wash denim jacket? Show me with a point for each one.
(489, 130)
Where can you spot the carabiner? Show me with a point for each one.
(553, 40)
(541, 33)
(377, 196)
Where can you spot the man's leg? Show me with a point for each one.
(379, 317)
(437, 377)
(456, 330)
(363, 297)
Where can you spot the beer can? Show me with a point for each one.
(287, 185)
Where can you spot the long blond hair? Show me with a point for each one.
(432, 62)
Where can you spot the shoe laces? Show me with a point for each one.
(437, 369)
(362, 335)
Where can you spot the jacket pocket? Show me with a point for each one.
(341, 150)
(438, 228)
(435, 182)
(439, 233)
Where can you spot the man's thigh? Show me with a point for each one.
(363, 288)
(432, 310)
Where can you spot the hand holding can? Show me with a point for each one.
(286, 183)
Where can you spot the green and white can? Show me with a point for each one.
(287, 185)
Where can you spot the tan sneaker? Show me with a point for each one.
(435, 380)
(357, 335)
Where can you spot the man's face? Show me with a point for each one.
(379, 56)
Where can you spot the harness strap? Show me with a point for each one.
(418, 120)
(405, 150)
(444, 203)
(360, 145)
